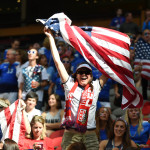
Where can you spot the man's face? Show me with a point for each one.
(10, 56)
(84, 76)
(129, 17)
(32, 54)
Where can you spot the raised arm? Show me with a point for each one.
(59, 65)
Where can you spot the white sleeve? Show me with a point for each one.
(44, 74)
(21, 78)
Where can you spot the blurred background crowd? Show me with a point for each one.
(19, 35)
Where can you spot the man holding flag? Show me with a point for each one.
(108, 51)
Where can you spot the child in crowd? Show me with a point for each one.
(31, 101)
(53, 114)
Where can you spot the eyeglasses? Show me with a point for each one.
(87, 72)
(146, 34)
(67, 62)
(31, 52)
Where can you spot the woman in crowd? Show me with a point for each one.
(119, 137)
(81, 94)
(57, 83)
(103, 123)
(37, 138)
(53, 114)
(139, 129)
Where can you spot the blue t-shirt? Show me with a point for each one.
(8, 79)
(103, 134)
(117, 21)
(58, 84)
(141, 138)
(146, 26)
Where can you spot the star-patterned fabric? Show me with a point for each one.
(142, 55)
(29, 76)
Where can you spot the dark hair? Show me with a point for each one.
(23, 55)
(127, 13)
(32, 94)
(98, 123)
(77, 146)
(126, 138)
(10, 145)
(40, 57)
(58, 101)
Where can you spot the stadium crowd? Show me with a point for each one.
(43, 75)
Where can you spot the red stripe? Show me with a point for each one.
(112, 40)
(12, 123)
(145, 77)
(117, 55)
(22, 133)
(7, 115)
(147, 70)
(146, 63)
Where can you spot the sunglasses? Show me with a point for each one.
(87, 72)
(67, 62)
(31, 52)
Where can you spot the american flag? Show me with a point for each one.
(142, 56)
(12, 123)
(106, 49)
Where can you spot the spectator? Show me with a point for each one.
(129, 26)
(31, 101)
(119, 137)
(50, 71)
(61, 46)
(8, 79)
(33, 78)
(10, 145)
(146, 23)
(118, 20)
(139, 129)
(46, 51)
(142, 57)
(53, 114)
(78, 89)
(103, 123)
(15, 44)
(37, 138)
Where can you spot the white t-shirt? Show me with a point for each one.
(91, 124)
(34, 112)
(44, 76)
